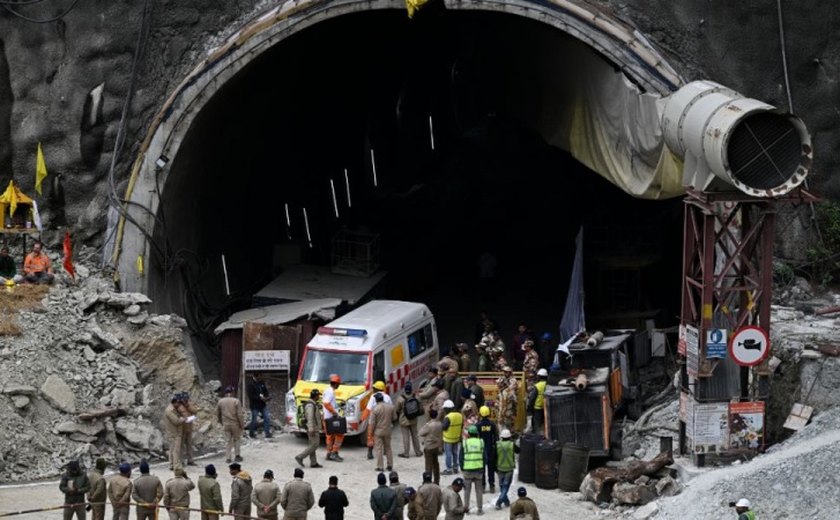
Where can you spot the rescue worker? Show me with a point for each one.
(383, 500)
(530, 364)
(297, 498)
(382, 422)
(505, 464)
(432, 497)
(314, 421)
(469, 410)
(187, 432)
(456, 392)
(210, 494)
(428, 393)
(333, 500)
(98, 493)
(119, 492)
(432, 435)
(506, 406)
(229, 414)
(414, 503)
(258, 403)
(174, 418)
(475, 388)
(379, 388)
(147, 493)
(489, 433)
(517, 350)
(266, 496)
(334, 440)
(74, 484)
(452, 426)
(536, 402)
(464, 359)
(473, 466)
(524, 508)
(176, 495)
(399, 492)
(240, 491)
(483, 364)
(452, 503)
(441, 397)
(408, 425)
(496, 350)
(449, 365)
(742, 507)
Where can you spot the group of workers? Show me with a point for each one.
(37, 267)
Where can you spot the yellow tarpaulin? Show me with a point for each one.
(413, 5)
(12, 197)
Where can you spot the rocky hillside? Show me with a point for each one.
(85, 349)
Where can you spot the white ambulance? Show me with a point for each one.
(384, 340)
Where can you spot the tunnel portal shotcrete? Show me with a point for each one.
(454, 130)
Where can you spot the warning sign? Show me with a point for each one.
(749, 346)
(716, 344)
(692, 350)
(265, 360)
(746, 425)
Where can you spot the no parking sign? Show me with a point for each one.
(749, 346)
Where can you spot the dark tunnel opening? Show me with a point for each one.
(480, 177)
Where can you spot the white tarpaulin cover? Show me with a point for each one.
(282, 313)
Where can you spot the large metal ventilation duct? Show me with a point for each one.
(728, 140)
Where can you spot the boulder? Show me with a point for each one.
(20, 401)
(646, 512)
(104, 338)
(126, 299)
(667, 486)
(90, 355)
(169, 320)
(633, 494)
(59, 394)
(139, 434)
(91, 429)
(13, 389)
(132, 310)
(128, 375)
(122, 398)
(139, 319)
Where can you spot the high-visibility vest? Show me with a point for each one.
(504, 456)
(749, 515)
(473, 454)
(539, 402)
(452, 435)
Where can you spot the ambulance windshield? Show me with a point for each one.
(320, 364)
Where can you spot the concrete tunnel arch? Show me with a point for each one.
(617, 43)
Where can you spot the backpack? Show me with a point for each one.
(412, 408)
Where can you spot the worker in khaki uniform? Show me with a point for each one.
(266, 496)
(98, 493)
(298, 498)
(524, 508)
(414, 504)
(210, 493)
(382, 420)
(240, 490)
(379, 388)
(314, 420)
(190, 410)
(432, 497)
(176, 495)
(399, 490)
(147, 493)
(119, 492)
(452, 503)
(408, 425)
(432, 435)
(174, 418)
(229, 413)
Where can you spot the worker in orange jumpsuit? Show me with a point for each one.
(334, 440)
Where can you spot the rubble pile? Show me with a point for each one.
(89, 377)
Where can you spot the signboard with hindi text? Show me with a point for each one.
(265, 360)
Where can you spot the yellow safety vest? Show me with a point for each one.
(473, 454)
(452, 435)
(539, 402)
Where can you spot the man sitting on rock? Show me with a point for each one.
(37, 267)
(8, 269)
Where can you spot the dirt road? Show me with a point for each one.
(356, 477)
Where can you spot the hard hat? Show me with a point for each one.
(472, 430)
(379, 385)
(335, 378)
(743, 503)
(542, 372)
(505, 434)
(484, 411)
(448, 404)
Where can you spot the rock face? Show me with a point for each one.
(59, 394)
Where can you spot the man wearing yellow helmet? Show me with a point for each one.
(378, 388)
(489, 433)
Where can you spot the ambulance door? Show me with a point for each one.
(378, 366)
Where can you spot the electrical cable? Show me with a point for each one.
(6, 6)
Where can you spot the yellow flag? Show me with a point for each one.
(40, 170)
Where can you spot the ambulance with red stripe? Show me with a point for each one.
(383, 340)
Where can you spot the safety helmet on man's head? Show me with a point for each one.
(484, 411)
(379, 385)
(335, 378)
(542, 372)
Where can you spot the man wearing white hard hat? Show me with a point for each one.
(536, 402)
(742, 507)
(452, 425)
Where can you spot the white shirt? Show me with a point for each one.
(372, 402)
(329, 397)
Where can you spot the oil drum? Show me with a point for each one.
(574, 461)
(547, 459)
(527, 452)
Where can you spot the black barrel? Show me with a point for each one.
(527, 450)
(574, 461)
(547, 459)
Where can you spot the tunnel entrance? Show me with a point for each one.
(442, 129)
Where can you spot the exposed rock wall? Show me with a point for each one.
(63, 83)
